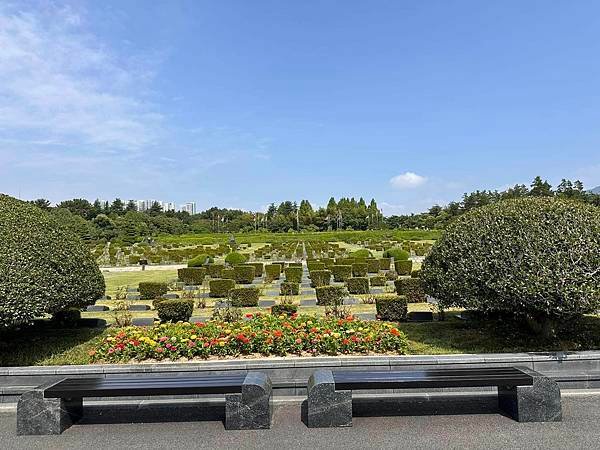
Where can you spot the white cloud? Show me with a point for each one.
(57, 82)
(408, 180)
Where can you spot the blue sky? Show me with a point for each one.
(241, 103)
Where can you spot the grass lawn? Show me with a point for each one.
(115, 280)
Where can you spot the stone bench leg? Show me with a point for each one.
(326, 406)
(253, 408)
(37, 415)
(537, 403)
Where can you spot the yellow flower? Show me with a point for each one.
(221, 344)
(193, 336)
(336, 335)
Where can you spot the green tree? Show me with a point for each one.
(540, 188)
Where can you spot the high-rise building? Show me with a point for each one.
(168, 206)
(189, 207)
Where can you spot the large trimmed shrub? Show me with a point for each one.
(411, 288)
(403, 267)
(341, 273)
(315, 265)
(235, 258)
(363, 253)
(378, 280)
(228, 273)
(397, 253)
(537, 257)
(243, 274)
(191, 275)
(373, 265)
(258, 268)
(220, 287)
(44, 267)
(393, 308)
(293, 274)
(330, 295)
(175, 310)
(320, 278)
(358, 285)
(244, 297)
(214, 270)
(384, 263)
(150, 290)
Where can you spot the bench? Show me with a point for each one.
(524, 394)
(53, 407)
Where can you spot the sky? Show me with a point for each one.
(243, 103)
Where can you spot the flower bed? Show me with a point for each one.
(260, 334)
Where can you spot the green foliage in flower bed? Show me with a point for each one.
(214, 270)
(262, 334)
(358, 285)
(403, 267)
(284, 308)
(377, 280)
(272, 272)
(220, 287)
(44, 267)
(200, 260)
(341, 272)
(244, 297)
(392, 308)
(243, 274)
(235, 258)
(191, 275)
(359, 269)
(532, 256)
(397, 253)
(174, 310)
(289, 288)
(320, 278)
(293, 274)
(150, 290)
(330, 295)
(412, 288)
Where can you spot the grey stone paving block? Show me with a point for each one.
(170, 296)
(327, 407)
(202, 295)
(223, 304)
(537, 403)
(376, 290)
(195, 319)
(253, 408)
(352, 301)
(308, 292)
(308, 302)
(97, 308)
(142, 321)
(266, 303)
(190, 287)
(132, 290)
(366, 316)
(132, 297)
(139, 307)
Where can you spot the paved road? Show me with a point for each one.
(461, 429)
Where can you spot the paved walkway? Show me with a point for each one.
(470, 425)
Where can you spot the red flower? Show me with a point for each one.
(249, 316)
(298, 341)
(345, 341)
(395, 331)
(277, 333)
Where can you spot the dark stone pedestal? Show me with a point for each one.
(537, 403)
(37, 415)
(327, 407)
(253, 408)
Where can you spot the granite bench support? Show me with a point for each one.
(524, 394)
(53, 407)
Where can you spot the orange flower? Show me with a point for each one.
(395, 331)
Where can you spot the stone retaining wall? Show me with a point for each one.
(572, 370)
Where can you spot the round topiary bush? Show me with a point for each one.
(397, 253)
(235, 258)
(537, 257)
(44, 268)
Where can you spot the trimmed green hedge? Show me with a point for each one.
(235, 258)
(363, 253)
(244, 297)
(397, 253)
(412, 288)
(293, 274)
(378, 280)
(320, 278)
(200, 260)
(215, 270)
(315, 265)
(258, 268)
(191, 275)
(403, 267)
(373, 265)
(272, 271)
(358, 285)
(243, 274)
(220, 287)
(228, 273)
(289, 288)
(341, 273)
(385, 263)
(392, 308)
(330, 295)
(285, 308)
(416, 273)
(44, 267)
(359, 269)
(175, 310)
(150, 290)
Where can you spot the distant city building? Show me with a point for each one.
(168, 206)
(189, 207)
